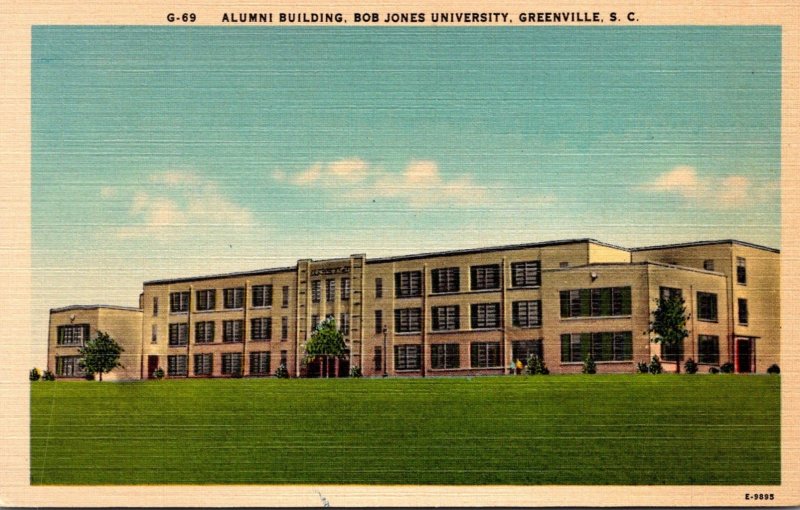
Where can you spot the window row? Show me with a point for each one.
(706, 304)
(72, 334)
(606, 346)
(444, 356)
(232, 331)
(601, 302)
(707, 350)
(230, 363)
(232, 299)
(525, 314)
(330, 290)
(448, 279)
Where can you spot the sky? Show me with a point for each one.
(161, 152)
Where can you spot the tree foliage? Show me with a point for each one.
(669, 322)
(100, 355)
(326, 342)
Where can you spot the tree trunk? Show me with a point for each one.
(101, 376)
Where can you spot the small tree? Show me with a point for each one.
(326, 342)
(669, 323)
(282, 372)
(34, 374)
(100, 355)
(690, 366)
(589, 366)
(655, 366)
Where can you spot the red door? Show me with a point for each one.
(152, 365)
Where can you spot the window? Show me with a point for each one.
(203, 364)
(672, 352)
(178, 334)
(261, 296)
(605, 346)
(231, 363)
(261, 328)
(344, 323)
(563, 264)
(74, 334)
(378, 359)
(743, 315)
(445, 318)
(707, 306)
(407, 357)
(526, 274)
(601, 302)
(378, 321)
(284, 358)
(526, 314)
(285, 298)
(485, 315)
(345, 289)
(330, 290)
(407, 320)
(666, 293)
(485, 277)
(378, 288)
(154, 334)
(232, 331)
(708, 265)
(445, 280)
(408, 284)
(314, 321)
(284, 328)
(523, 349)
(204, 332)
(445, 356)
(206, 299)
(179, 302)
(741, 271)
(315, 292)
(708, 349)
(234, 298)
(155, 306)
(259, 363)
(68, 366)
(177, 365)
(485, 354)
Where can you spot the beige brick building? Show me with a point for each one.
(461, 312)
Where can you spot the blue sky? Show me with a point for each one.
(162, 151)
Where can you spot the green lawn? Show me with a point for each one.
(558, 429)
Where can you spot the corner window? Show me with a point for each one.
(741, 271)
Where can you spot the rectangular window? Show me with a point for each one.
(526, 274)
(378, 359)
(605, 346)
(444, 356)
(708, 349)
(407, 357)
(178, 302)
(666, 293)
(259, 363)
(285, 297)
(445, 280)
(74, 334)
(232, 331)
(314, 321)
(741, 271)
(261, 328)
(672, 352)
(744, 317)
(231, 363)
(485, 354)
(206, 300)
(707, 306)
(378, 288)
(378, 321)
(572, 346)
(234, 298)
(284, 358)
(708, 265)
(345, 289)
(155, 306)
(521, 350)
(316, 295)
(445, 318)
(68, 366)
(344, 323)
(261, 296)
(407, 320)
(485, 315)
(526, 314)
(177, 365)
(284, 328)
(154, 334)
(601, 302)
(408, 284)
(178, 334)
(330, 290)
(203, 364)
(204, 332)
(485, 277)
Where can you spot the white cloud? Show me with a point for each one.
(108, 192)
(307, 177)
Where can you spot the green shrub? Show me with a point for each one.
(282, 372)
(726, 368)
(655, 366)
(158, 373)
(34, 375)
(690, 366)
(48, 376)
(536, 366)
(355, 372)
(89, 376)
(589, 366)
(237, 374)
(642, 367)
(713, 370)
(773, 369)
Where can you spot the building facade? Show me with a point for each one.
(465, 312)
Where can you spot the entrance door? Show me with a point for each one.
(744, 358)
(152, 365)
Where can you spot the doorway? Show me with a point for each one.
(744, 355)
(152, 365)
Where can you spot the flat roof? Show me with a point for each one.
(632, 264)
(95, 307)
(257, 272)
(706, 243)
